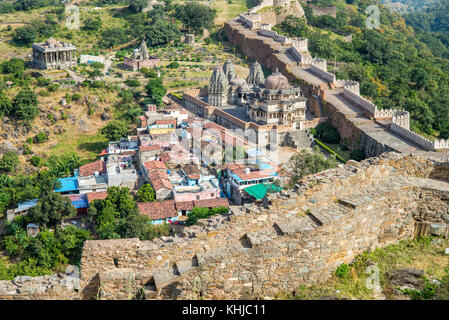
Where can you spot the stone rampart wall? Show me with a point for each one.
(299, 239)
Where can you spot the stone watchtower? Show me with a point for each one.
(255, 77)
(53, 54)
(218, 88)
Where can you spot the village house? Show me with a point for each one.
(92, 177)
(236, 176)
(195, 185)
(155, 172)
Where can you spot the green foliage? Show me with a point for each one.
(161, 32)
(194, 16)
(76, 96)
(115, 130)
(43, 82)
(327, 133)
(117, 217)
(41, 137)
(155, 90)
(112, 37)
(63, 165)
(137, 5)
(146, 194)
(173, 65)
(25, 36)
(51, 209)
(8, 271)
(25, 105)
(36, 161)
(295, 26)
(203, 213)
(132, 82)
(311, 162)
(71, 241)
(5, 105)
(9, 162)
(342, 271)
(92, 24)
(14, 66)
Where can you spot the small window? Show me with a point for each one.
(212, 194)
(197, 197)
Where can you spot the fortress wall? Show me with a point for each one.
(330, 77)
(412, 136)
(367, 105)
(63, 286)
(297, 240)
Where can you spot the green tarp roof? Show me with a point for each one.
(259, 191)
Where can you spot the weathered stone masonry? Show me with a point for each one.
(298, 240)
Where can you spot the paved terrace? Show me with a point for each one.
(378, 130)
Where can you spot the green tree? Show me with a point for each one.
(194, 16)
(36, 161)
(306, 163)
(5, 105)
(155, 90)
(92, 24)
(71, 241)
(25, 36)
(115, 130)
(203, 213)
(14, 66)
(146, 194)
(112, 37)
(137, 5)
(161, 32)
(51, 209)
(25, 105)
(9, 162)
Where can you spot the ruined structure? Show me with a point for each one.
(300, 238)
(53, 54)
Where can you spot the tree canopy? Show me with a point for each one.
(195, 16)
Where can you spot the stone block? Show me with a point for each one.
(183, 266)
(437, 229)
(347, 203)
(162, 276)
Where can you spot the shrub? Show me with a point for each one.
(9, 162)
(36, 161)
(76, 96)
(43, 82)
(27, 149)
(41, 137)
(173, 65)
(342, 271)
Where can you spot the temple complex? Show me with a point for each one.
(267, 101)
(140, 58)
(53, 54)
